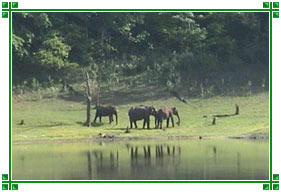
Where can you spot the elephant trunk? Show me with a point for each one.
(116, 118)
(179, 120)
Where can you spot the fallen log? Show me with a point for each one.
(224, 115)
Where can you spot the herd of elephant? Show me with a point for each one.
(140, 112)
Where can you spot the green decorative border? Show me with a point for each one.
(8, 7)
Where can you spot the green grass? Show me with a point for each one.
(54, 118)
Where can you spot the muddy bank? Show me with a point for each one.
(111, 139)
(252, 136)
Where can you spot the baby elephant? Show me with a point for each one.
(106, 110)
(166, 113)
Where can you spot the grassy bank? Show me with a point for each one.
(59, 118)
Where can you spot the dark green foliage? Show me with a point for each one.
(199, 54)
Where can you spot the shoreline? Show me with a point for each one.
(158, 138)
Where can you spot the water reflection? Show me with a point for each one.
(153, 161)
(160, 151)
(143, 160)
(238, 163)
(102, 163)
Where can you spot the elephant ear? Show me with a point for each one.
(152, 110)
(115, 108)
(174, 110)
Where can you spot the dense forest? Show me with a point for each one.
(198, 54)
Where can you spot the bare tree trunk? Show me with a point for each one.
(99, 67)
(88, 94)
(237, 109)
(214, 121)
(98, 93)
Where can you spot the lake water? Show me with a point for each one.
(206, 159)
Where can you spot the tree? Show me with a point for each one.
(200, 52)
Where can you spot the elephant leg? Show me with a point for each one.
(95, 118)
(135, 122)
(172, 119)
(100, 118)
(110, 119)
(144, 121)
(157, 123)
(148, 122)
(168, 120)
(131, 124)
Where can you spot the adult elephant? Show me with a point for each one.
(141, 113)
(106, 110)
(166, 113)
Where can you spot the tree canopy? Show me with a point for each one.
(209, 52)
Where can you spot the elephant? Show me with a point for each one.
(141, 113)
(106, 110)
(166, 113)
